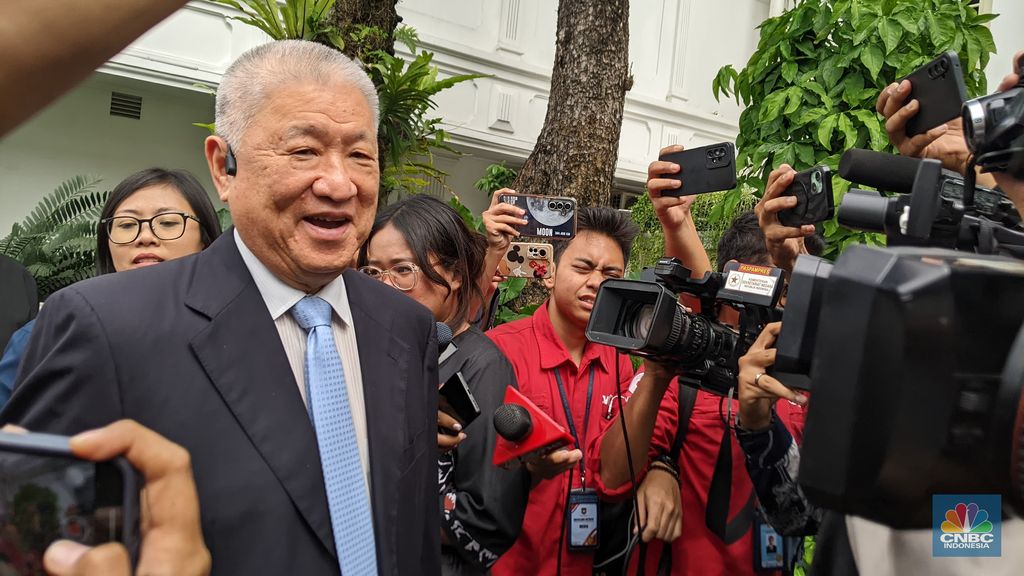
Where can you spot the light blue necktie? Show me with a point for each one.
(336, 436)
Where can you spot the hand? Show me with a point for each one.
(784, 243)
(172, 540)
(670, 210)
(759, 391)
(944, 143)
(660, 506)
(500, 221)
(547, 467)
(1013, 187)
(447, 442)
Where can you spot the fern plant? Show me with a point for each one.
(811, 85)
(294, 19)
(57, 241)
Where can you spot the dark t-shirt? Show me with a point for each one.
(482, 504)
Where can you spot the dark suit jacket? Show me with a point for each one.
(19, 301)
(188, 349)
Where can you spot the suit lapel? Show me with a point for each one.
(241, 352)
(383, 362)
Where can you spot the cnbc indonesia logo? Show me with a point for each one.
(965, 527)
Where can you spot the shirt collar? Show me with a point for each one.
(280, 297)
(553, 352)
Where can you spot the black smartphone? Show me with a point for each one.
(705, 169)
(48, 494)
(546, 216)
(939, 89)
(457, 400)
(815, 203)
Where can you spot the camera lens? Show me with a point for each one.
(816, 182)
(542, 252)
(639, 324)
(973, 114)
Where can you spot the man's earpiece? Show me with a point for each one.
(230, 165)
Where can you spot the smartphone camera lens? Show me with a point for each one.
(542, 252)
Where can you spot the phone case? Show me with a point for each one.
(939, 89)
(527, 260)
(546, 216)
(815, 203)
(113, 472)
(705, 169)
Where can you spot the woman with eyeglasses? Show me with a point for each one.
(422, 247)
(151, 216)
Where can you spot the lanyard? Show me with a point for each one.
(586, 418)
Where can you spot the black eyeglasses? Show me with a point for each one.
(165, 226)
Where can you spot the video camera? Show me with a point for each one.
(994, 129)
(644, 318)
(916, 378)
(932, 208)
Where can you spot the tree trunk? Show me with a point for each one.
(578, 147)
(380, 14)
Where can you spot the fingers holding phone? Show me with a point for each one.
(785, 243)
(670, 207)
(172, 539)
(502, 221)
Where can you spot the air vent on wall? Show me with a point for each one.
(125, 105)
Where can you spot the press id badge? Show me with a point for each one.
(583, 513)
(769, 547)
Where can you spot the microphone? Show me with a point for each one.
(444, 335)
(879, 170)
(525, 432)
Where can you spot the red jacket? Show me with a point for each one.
(699, 552)
(535, 351)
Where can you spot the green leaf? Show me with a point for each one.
(831, 72)
(891, 33)
(873, 59)
(876, 133)
(853, 84)
(849, 132)
(772, 106)
(983, 18)
(789, 70)
(908, 19)
(825, 130)
(988, 44)
(817, 89)
(805, 153)
(808, 115)
(796, 99)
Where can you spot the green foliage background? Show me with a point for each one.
(810, 88)
(57, 241)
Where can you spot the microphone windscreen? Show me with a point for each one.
(512, 422)
(444, 334)
(880, 170)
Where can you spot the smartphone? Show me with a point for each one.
(48, 494)
(815, 203)
(457, 400)
(546, 216)
(705, 169)
(939, 89)
(527, 260)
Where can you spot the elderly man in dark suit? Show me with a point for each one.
(305, 392)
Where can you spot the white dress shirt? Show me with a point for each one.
(280, 298)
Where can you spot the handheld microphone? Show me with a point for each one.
(525, 432)
(879, 170)
(444, 335)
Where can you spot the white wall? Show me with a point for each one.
(78, 136)
(1008, 32)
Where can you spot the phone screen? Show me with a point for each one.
(46, 498)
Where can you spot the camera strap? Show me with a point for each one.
(716, 515)
(572, 425)
(687, 399)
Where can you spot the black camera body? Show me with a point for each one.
(644, 318)
(914, 393)
(994, 129)
(937, 212)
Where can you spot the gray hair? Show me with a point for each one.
(263, 68)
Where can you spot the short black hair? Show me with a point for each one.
(429, 226)
(182, 181)
(615, 224)
(743, 242)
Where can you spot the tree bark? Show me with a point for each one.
(576, 152)
(377, 13)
